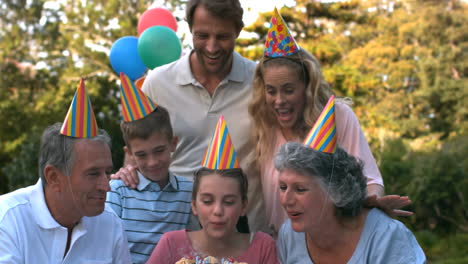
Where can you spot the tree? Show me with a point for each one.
(24, 38)
(46, 48)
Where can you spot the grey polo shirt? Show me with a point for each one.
(194, 114)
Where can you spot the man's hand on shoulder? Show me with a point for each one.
(390, 204)
(128, 174)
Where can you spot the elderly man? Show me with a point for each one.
(211, 80)
(62, 218)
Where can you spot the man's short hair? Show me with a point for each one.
(225, 9)
(157, 121)
(57, 149)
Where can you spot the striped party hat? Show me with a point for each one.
(80, 121)
(322, 136)
(279, 41)
(135, 104)
(220, 154)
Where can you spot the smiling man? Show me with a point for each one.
(62, 218)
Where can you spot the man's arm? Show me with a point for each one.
(390, 204)
(9, 251)
(375, 189)
(128, 174)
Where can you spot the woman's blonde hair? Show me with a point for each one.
(317, 93)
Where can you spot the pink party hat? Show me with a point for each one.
(135, 104)
(322, 136)
(220, 154)
(279, 41)
(80, 121)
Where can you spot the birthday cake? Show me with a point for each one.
(207, 260)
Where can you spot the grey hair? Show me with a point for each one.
(339, 174)
(57, 149)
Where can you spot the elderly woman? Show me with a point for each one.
(323, 195)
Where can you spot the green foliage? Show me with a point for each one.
(443, 250)
(436, 179)
(434, 175)
(23, 170)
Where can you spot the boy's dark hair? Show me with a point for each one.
(225, 9)
(157, 121)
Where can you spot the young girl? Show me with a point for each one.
(219, 198)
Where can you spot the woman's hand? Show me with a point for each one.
(390, 204)
(128, 175)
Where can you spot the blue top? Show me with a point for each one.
(383, 240)
(148, 212)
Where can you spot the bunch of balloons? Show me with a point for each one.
(156, 45)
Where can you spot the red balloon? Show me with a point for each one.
(156, 17)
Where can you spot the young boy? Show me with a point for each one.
(161, 201)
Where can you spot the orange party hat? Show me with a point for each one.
(80, 121)
(135, 104)
(220, 154)
(279, 41)
(322, 136)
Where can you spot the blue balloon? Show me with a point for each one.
(124, 57)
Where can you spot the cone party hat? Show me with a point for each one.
(135, 104)
(220, 154)
(80, 121)
(279, 41)
(322, 136)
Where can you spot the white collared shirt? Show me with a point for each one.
(29, 233)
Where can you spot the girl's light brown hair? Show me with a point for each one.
(236, 174)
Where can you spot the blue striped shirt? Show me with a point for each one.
(147, 212)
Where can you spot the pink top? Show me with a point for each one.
(175, 245)
(350, 137)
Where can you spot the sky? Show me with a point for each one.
(251, 10)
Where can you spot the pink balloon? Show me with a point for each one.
(156, 17)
